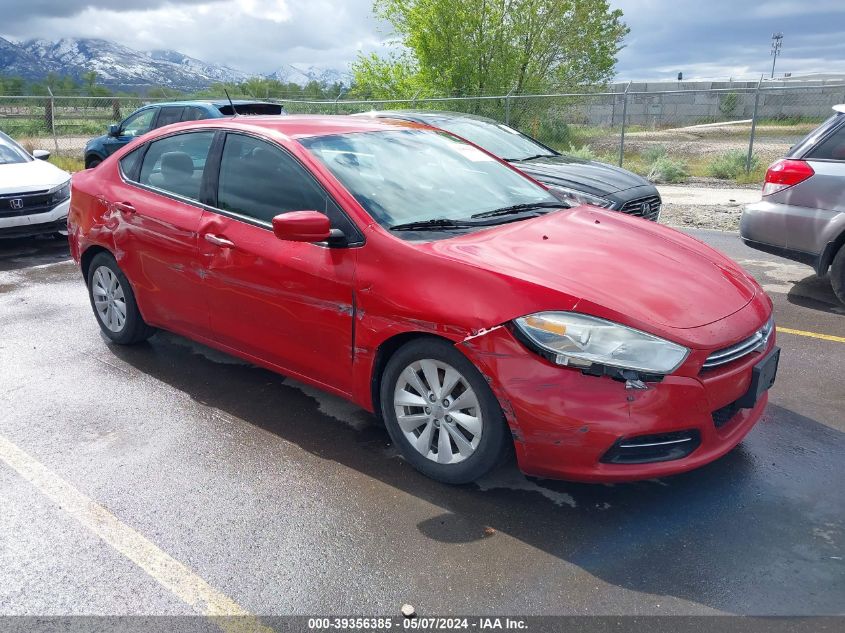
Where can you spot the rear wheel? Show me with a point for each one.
(114, 302)
(837, 274)
(441, 413)
(92, 162)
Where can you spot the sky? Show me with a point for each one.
(709, 39)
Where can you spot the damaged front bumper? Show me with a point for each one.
(568, 425)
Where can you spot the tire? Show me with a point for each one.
(837, 274)
(92, 162)
(111, 297)
(476, 435)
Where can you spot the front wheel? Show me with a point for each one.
(114, 302)
(92, 162)
(441, 412)
(837, 274)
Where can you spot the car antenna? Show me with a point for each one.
(234, 112)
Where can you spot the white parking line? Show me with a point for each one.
(163, 568)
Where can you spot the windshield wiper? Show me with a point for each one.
(436, 224)
(520, 208)
(519, 160)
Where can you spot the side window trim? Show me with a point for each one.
(154, 122)
(211, 173)
(216, 154)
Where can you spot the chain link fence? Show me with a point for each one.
(627, 126)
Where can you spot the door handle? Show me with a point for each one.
(124, 207)
(217, 240)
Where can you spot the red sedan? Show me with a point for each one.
(427, 281)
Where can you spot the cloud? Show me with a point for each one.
(729, 38)
(257, 36)
(711, 38)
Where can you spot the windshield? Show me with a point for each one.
(496, 138)
(11, 152)
(407, 176)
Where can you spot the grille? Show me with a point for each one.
(32, 202)
(753, 343)
(648, 208)
(724, 415)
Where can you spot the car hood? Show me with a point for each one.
(35, 175)
(584, 175)
(96, 141)
(617, 267)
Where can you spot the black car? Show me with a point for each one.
(569, 178)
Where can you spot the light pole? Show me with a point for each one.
(777, 42)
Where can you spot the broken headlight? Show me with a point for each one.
(578, 340)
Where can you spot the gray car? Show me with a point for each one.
(802, 212)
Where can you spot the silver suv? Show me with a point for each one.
(802, 212)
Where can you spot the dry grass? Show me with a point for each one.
(68, 163)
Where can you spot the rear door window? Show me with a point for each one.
(175, 163)
(193, 113)
(168, 115)
(832, 148)
(808, 142)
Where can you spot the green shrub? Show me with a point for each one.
(554, 131)
(728, 103)
(665, 169)
(654, 153)
(730, 165)
(584, 152)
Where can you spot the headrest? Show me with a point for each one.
(176, 163)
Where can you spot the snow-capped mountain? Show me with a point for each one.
(300, 74)
(15, 61)
(199, 67)
(123, 68)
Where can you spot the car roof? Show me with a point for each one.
(297, 125)
(840, 108)
(423, 116)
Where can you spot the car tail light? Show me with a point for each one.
(785, 173)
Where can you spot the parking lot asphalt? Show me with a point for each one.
(167, 478)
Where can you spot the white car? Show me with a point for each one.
(34, 194)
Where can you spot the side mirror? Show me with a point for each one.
(114, 129)
(302, 226)
(40, 154)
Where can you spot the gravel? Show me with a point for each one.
(706, 203)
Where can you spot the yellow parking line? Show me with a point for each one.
(163, 568)
(826, 337)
